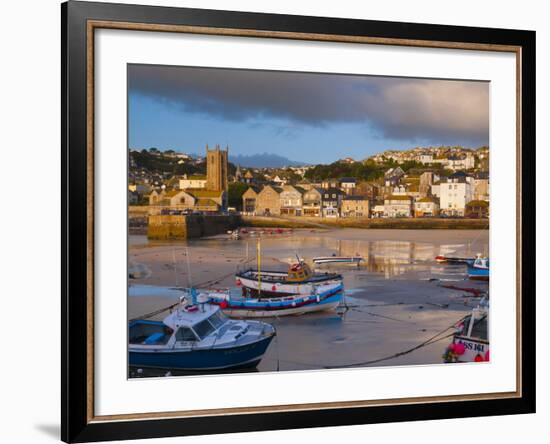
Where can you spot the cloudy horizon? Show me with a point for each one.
(306, 117)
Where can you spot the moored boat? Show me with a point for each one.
(197, 337)
(323, 297)
(298, 280)
(338, 260)
(471, 341)
(453, 260)
(479, 270)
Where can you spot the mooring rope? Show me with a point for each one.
(432, 340)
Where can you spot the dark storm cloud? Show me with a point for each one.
(398, 108)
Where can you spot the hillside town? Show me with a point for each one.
(444, 182)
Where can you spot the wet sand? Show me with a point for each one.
(394, 301)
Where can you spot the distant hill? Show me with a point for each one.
(264, 160)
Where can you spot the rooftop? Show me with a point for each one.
(394, 197)
(477, 203)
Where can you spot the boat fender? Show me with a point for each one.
(238, 282)
(273, 288)
(318, 299)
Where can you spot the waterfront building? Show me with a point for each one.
(455, 194)
(182, 200)
(481, 186)
(250, 198)
(291, 200)
(331, 202)
(477, 209)
(268, 202)
(312, 202)
(426, 207)
(355, 206)
(377, 210)
(398, 206)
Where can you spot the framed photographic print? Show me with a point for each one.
(276, 221)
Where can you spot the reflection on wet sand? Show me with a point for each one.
(395, 299)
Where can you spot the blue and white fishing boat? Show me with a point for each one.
(323, 297)
(197, 336)
(479, 270)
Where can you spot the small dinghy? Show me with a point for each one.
(470, 341)
(356, 260)
(453, 260)
(198, 337)
(479, 270)
(323, 297)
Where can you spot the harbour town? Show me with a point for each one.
(296, 221)
(213, 270)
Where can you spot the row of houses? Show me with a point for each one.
(458, 195)
(293, 200)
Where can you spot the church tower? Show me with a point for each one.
(216, 169)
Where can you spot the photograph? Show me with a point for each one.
(297, 221)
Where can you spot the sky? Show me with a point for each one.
(305, 117)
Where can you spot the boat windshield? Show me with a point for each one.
(217, 319)
(203, 328)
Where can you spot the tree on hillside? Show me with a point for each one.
(235, 194)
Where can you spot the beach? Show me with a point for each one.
(394, 302)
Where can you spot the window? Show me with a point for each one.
(185, 334)
(334, 196)
(203, 328)
(217, 319)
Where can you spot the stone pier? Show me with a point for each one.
(189, 227)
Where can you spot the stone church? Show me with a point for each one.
(210, 196)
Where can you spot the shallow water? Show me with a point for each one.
(394, 300)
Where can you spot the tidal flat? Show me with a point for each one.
(395, 301)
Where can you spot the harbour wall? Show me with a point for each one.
(365, 222)
(188, 227)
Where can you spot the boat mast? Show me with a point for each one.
(258, 254)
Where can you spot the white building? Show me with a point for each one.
(425, 158)
(464, 162)
(455, 194)
(195, 182)
(398, 206)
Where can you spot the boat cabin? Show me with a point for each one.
(481, 262)
(299, 272)
(188, 324)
